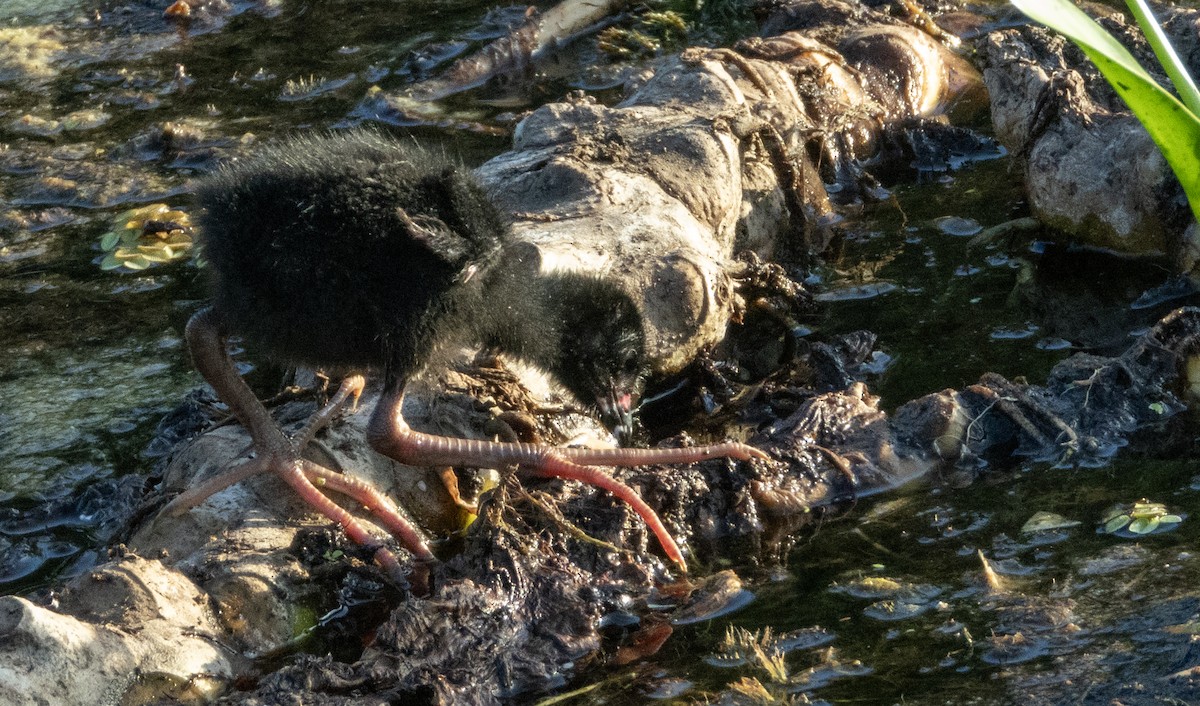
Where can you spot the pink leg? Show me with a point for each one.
(374, 502)
(192, 497)
(649, 457)
(295, 477)
(390, 435)
(281, 455)
(350, 387)
(554, 466)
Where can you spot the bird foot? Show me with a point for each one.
(276, 453)
(390, 435)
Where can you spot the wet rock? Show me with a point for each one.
(106, 660)
(1091, 169)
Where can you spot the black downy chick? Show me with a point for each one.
(353, 252)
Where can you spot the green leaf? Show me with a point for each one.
(1116, 524)
(1174, 128)
(1166, 54)
(1042, 521)
(137, 262)
(109, 240)
(110, 262)
(1143, 525)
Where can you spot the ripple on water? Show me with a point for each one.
(1051, 343)
(112, 390)
(22, 557)
(1015, 648)
(1014, 567)
(899, 600)
(1114, 559)
(855, 292)
(35, 9)
(666, 688)
(1014, 333)
(958, 226)
(894, 610)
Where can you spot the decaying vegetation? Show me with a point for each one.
(714, 160)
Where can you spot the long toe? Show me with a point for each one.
(275, 452)
(551, 465)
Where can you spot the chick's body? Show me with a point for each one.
(353, 252)
(344, 252)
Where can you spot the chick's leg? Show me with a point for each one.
(391, 436)
(277, 453)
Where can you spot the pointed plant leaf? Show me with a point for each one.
(1174, 128)
(1171, 63)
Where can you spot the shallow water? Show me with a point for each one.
(90, 361)
(898, 591)
(896, 586)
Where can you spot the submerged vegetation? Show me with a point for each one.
(897, 588)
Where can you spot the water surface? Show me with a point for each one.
(90, 361)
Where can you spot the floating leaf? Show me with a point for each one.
(1043, 521)
(136, 262)
(1116, 524)
(1145, 508)
(1143, 525)
(153, 255)
(149, 235)
(1141, 518)
(880, 583)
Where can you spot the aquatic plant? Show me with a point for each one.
(652, 33)
(143, 237)
(1173, 123)
(1141, 518)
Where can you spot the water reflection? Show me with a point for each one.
(90, 361)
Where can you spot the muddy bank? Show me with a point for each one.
(716, 151)
(523, 600)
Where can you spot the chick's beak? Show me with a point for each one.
(616, 411)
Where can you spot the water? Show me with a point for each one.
(899, 587)
(90, 361)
